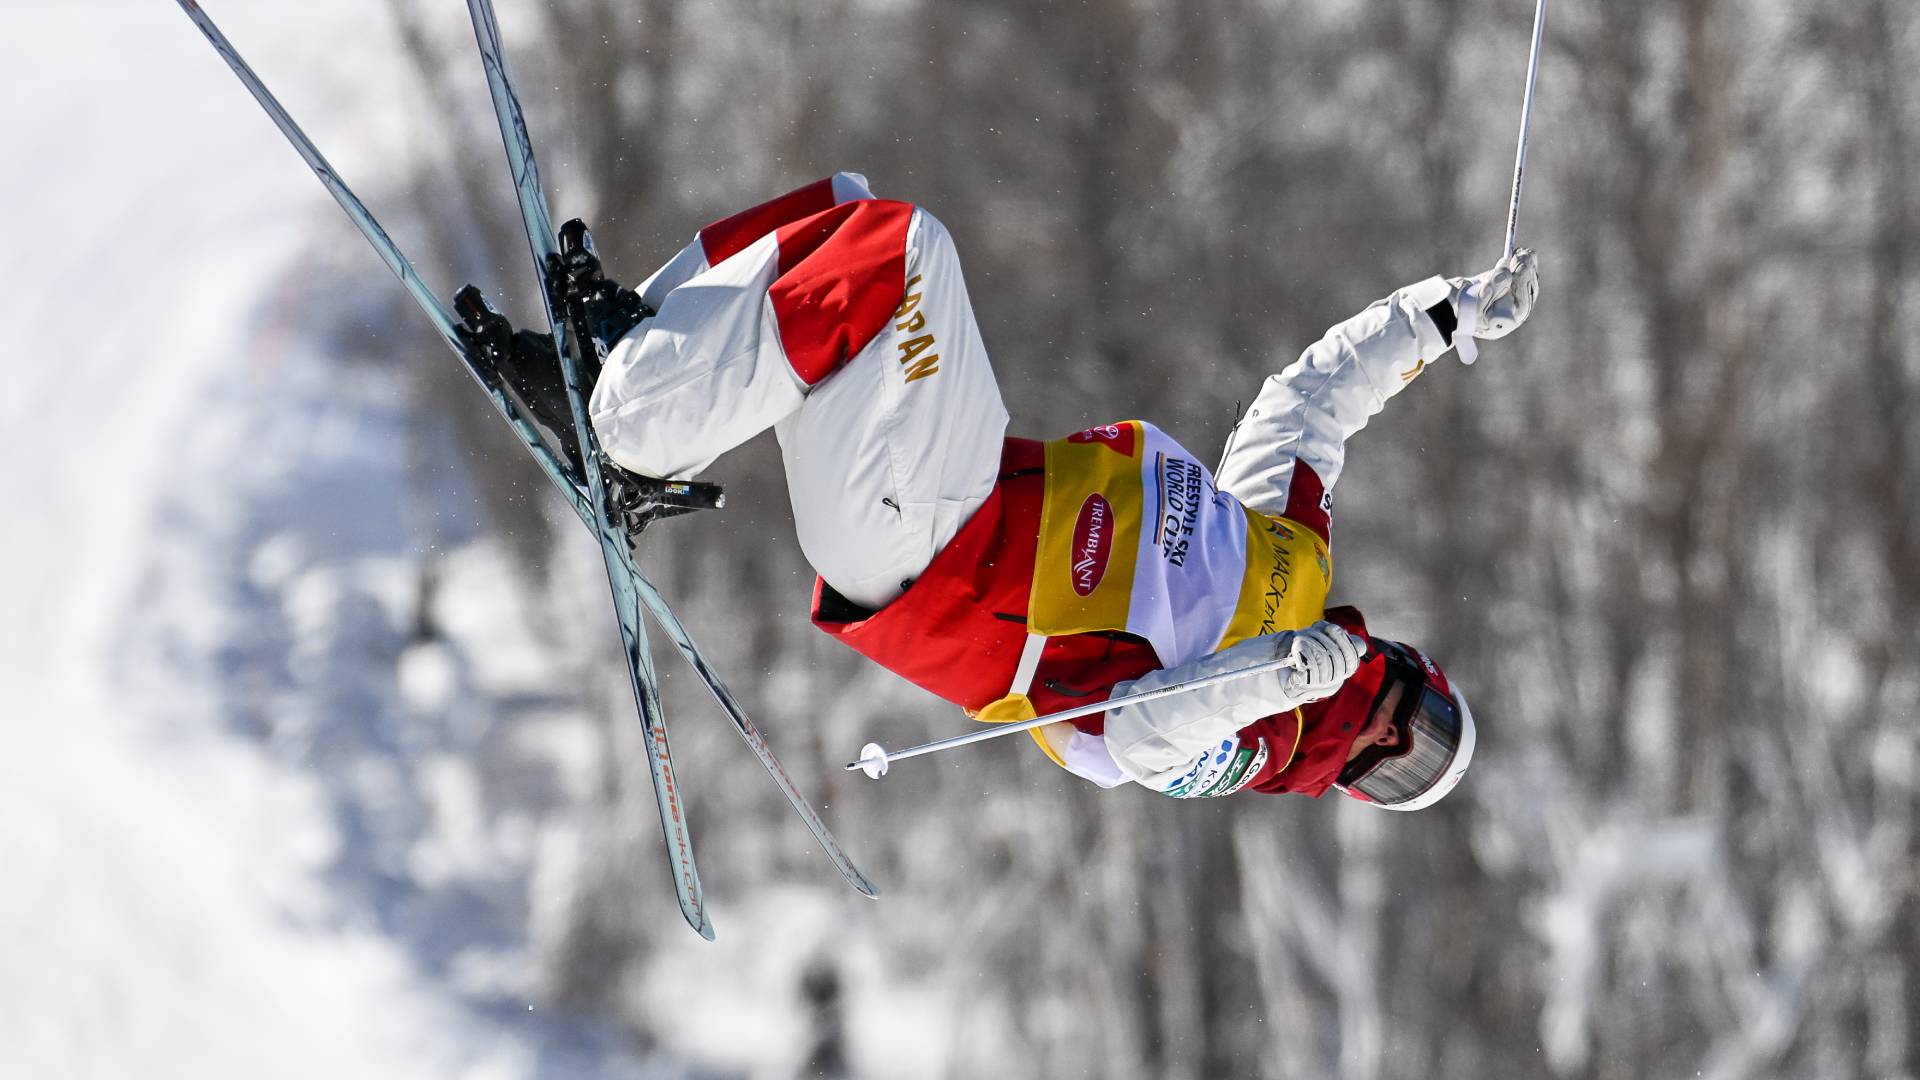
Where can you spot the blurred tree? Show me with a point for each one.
(1667, 535)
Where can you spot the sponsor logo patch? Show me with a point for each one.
(1279, 576)
(1092, 544)
(1434, 675)
(1116, 437)
(1247, 764)
(1206, 773)
(1177, 788)
(1180, 497)
(917, 358)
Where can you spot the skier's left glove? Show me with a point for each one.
(1167, 744)
(1492, 305)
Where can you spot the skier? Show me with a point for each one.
(1015, 577)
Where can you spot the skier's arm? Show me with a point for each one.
(1185, 745)
(1287, 453)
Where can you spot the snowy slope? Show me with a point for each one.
(163, 905)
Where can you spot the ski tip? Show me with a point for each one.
(857, 879)
(700, 923)
(694, 909)
(853, 875)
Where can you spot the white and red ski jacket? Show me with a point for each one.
(1093, 559)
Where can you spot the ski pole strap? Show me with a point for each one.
(1469, 321)
(1029, 665)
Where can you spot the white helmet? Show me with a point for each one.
(1436, 742)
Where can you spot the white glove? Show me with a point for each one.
(1168, 744)
(1492, 305)
(1326, 655)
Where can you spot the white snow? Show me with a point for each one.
(161, 905)
(249, 825)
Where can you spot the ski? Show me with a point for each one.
(546, 248)
(555, 465)
(622, 569)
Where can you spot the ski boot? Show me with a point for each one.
(605, 311)
(574, 273)
(523, 360)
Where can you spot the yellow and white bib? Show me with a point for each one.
(1135, 537)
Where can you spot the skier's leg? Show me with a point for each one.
(850, 329)
(729, 236)
(711, 368)
(890, 457)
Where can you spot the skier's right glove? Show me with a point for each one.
(1492, 305)
(1325, 656)
(1162, 743)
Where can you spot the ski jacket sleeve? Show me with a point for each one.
(1190, 745)
(1286, 454)
(1182, 746)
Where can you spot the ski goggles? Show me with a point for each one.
(1436, 739)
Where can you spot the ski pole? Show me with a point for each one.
(874, 758)
(1526, 115)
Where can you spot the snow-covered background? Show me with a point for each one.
(297, 779)
(315, 754)
(206, 528)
